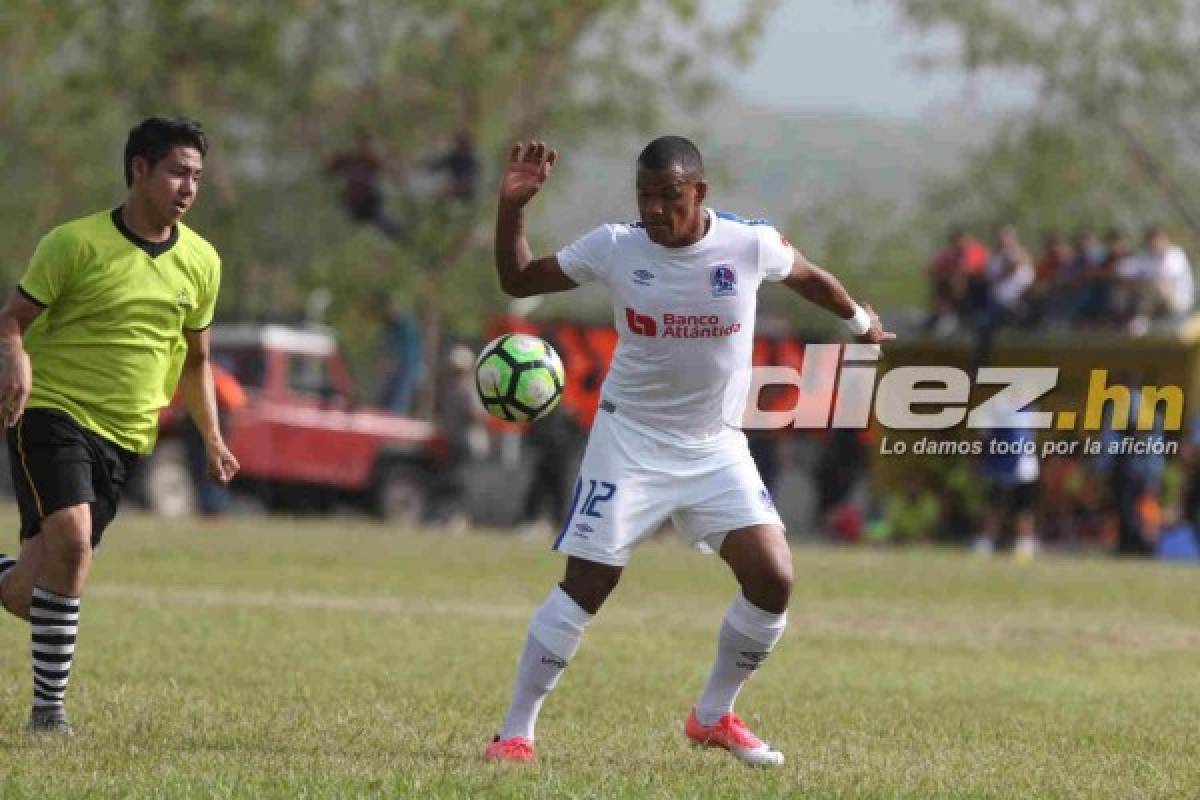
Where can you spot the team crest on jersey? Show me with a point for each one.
(642, 277)
(182, 300)
(724, 281)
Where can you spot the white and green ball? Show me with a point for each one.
(519, 377)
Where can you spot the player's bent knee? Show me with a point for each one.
(71, 554)
(588, 583)
(67, 536)
(775, 589)
(770, 585)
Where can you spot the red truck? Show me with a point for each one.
(302, 442)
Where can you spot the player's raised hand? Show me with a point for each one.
(529, 164)
(875, 334)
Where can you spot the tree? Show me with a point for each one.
(281, 83)
(1046, 177)
(1115, 77)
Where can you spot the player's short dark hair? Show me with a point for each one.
(666, 152)
(154, 137)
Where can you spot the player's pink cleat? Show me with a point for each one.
(732, 734)
(516, 749)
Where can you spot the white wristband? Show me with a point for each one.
(860, 323)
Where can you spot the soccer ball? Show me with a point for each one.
(519, 377)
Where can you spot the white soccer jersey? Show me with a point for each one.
(685, 318)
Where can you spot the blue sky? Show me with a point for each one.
(858, 55)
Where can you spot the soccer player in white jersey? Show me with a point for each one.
(665, 443)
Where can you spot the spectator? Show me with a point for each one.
(911, 514)
(1011, 472)
(1161, 279)
(956, 280)
(553, 442)
(1132, 477)
(1054, 288)
(1089, 251)
(1101, 299)
(1175, 539)
(460, 416)
(1010, 273)
(1189, 465)
(361, 168)
(963, 498)
(840, 466)
(461, 166)
(402, 355)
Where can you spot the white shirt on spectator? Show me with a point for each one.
(1009, 281)
(1169, 274)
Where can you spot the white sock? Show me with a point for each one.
(554, 635)
(747, 637)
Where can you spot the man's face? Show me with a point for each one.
(170, 186)
(1061, 251)
(670, 205)
(1159, 243)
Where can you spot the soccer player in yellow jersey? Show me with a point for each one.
(111, 315)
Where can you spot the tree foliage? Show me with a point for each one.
(280, 85)
(1118, 111)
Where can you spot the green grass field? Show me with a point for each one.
(335, 658)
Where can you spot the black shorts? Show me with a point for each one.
(1014, 498)
(56, 463)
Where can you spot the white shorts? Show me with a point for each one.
(632, 479)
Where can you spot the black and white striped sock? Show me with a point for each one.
(54, 621)
(6, 563)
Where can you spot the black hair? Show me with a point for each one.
(666, 152)
(154, 137)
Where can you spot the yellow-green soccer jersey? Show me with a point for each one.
(109, 346)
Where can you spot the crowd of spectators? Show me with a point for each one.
(1083, 280)
(1129, 503)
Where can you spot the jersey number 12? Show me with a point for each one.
(595, 498)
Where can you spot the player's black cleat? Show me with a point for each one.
(49, 720)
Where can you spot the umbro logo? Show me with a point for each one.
(642, 277)
(754, 659)
(183, 300)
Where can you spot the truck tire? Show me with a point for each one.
(399, 494)
(167, 483)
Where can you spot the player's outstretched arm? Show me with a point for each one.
(16, 374)
(200, 397)
(522, 275)
(820, 287)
